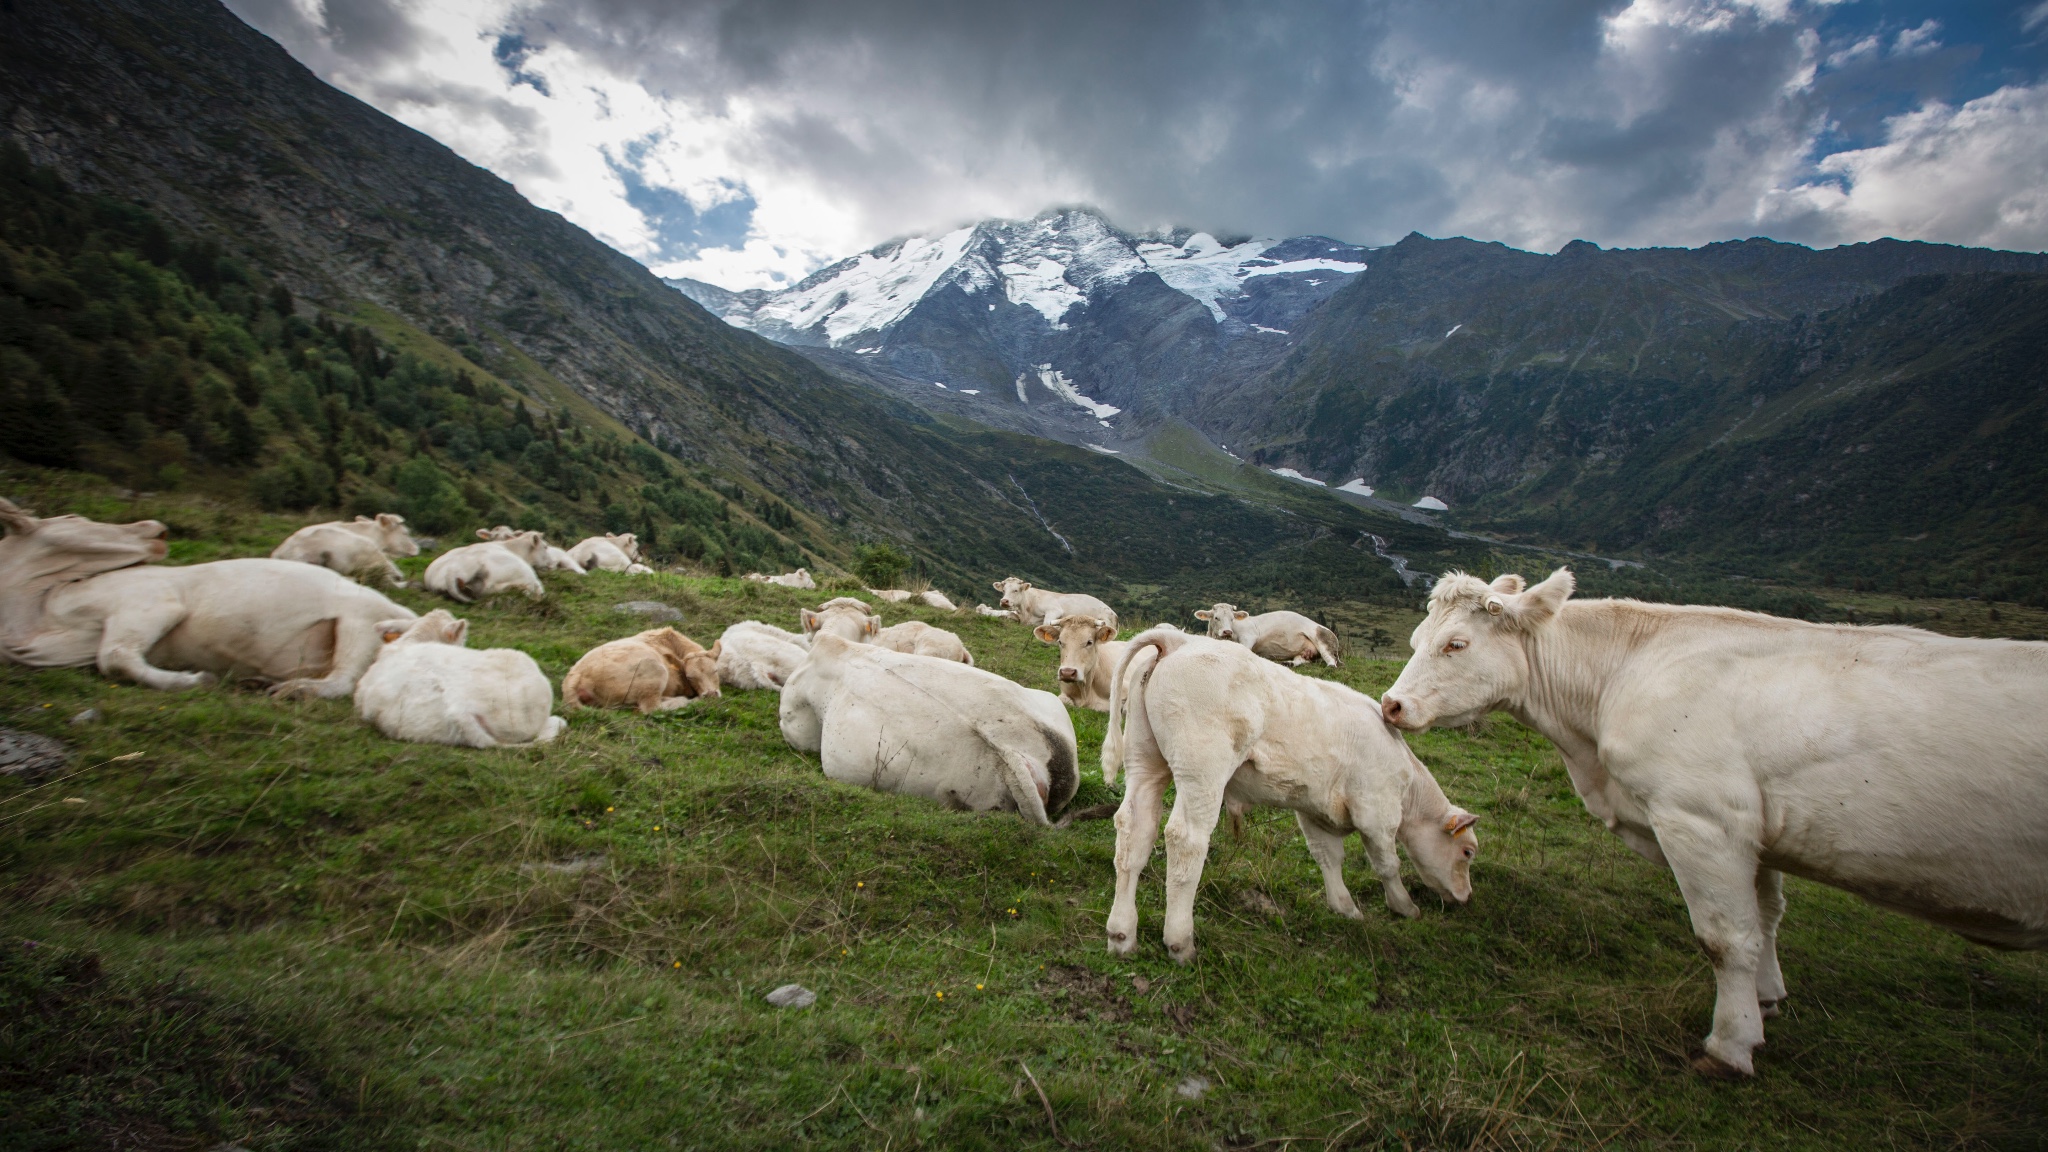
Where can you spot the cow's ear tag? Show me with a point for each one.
(391, 634)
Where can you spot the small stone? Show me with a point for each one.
(89, 716)
(654, 610)
(27, 754)
(792, 996)
(1192, 1088)
(575, 867)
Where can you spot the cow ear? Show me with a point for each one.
(1201, 613)
(1458, 821)
(1047, 633)
(483, 533)
(998, 585)
(390, 630)
(874, 625)
(1542, 601)
(1243, 615)
(808, 618)
(717, 646)
(459, 634)
(1507, 584)
(1104, 634)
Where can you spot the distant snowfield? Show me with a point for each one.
(1056, 382)
(1356, 487)
(1207, 270)
(1432, 504)
(1291, 474)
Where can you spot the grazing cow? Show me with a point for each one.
(427, 688)
(73, 592)
(475, 570)
(1906, 767)
(900, 723)
(1221, 724)
(1288, 637)
(353, 548)
(756, 655)
(657, 670)
(616, 552)
(801, 578)
(1035, 606)
(1089, 653)
(923, 639)
(546, 558)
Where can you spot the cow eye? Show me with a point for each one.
(1468, 853)
(1454, 646)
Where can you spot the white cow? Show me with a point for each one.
(1220, 724)
(476, 570)
(850, 619)
(933, 728)
(998, 613)
(1288, 637)
(801, 578)
(74, 592)
(1035, 606)
(547, 558)
(614, 552)
(1906, 767)
(756, 655)
(427, 688)
(933, 598)
(890, 595)
(1089, 655)
(353, 548)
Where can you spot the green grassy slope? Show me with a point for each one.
(234, 919)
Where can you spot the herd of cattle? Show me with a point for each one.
(1904, 766)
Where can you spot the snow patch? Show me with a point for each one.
(1056, 382)
(1212, 272)
(865, 351)
(870, 291)
(1101, 449)
(1291, 474)
(1432, 504)
(936, 384)
(970, 391)
(1453, 331)
(1041, 284)
(1274, 331)
(1356, 487)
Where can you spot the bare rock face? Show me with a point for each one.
(27, 754)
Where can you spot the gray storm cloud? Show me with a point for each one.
(1656, 121)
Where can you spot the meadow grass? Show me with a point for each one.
(236, 919)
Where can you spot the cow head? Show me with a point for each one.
(437, 627)
(40, 555)
(1079, 638)
(1469, 651)
(531, 547)
(693, 671)
(388, 529)
(1222, 620)
(1442, 848)
(501, 532)
(844, 617)
(1013, 591)
(626, 542)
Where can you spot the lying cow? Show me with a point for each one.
(850, 619)
(900, 723)
(890, 595)
(801, 578)
(1903, 766)
(75, 592)
(1035, 606)
(1089, 654)
(998, 613)
(547, 558)
(930, 596)
(474, 571)
(613, 552)
(756, 655)
(361, 547)
(1220, 724)
(1288, 637)
(657, 670)
(427, 688)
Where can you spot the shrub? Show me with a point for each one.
(297, 483)
(879, 565)
(427, 498)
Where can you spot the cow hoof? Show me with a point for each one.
(1712, 1068)
(1182, 954)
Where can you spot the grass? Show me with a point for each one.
(274, 928)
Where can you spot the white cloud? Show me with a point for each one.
(1917, 41)
(1977, 174)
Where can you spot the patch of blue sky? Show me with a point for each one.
(512, 52)
(1883, 58)
(680, 229)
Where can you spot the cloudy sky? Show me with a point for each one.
(747, 143)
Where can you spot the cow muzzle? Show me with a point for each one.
(1226, 634)
(1398, 712)
(1070, 675)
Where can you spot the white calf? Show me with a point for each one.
(427, 688)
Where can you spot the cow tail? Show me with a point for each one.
(1159, 640)
(1327, 645)
(1017, 770)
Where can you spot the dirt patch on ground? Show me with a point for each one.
(1080, 994)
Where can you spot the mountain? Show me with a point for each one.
(1568, 399)
(177, 109)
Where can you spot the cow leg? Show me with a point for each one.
(1718, 878)
(1197, 803)
(1137, 829)
(1770, 904)
(356, 644)
(1327, 846)
(1386, 864)
(129, 635)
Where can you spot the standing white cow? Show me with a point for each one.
(1906, 767)
(427, 688)
(1089, 656)
(74, 592)
(756, 655)
(1288, 637)
(1035, 606)
(353, 548)
(1220, 724)
(933, 728)
(476, 570)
